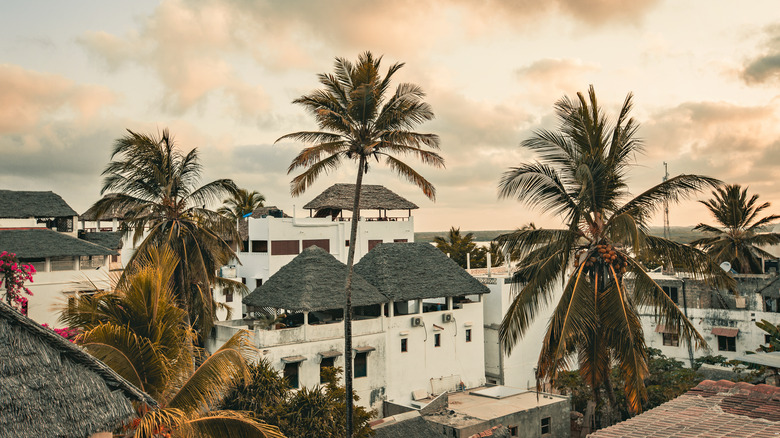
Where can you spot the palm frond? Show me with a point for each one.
(229, 424)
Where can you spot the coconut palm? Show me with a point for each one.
(156, 185)
(581, 176)
(457, 246)
(737, 238)
(139, 332)
(359, 119)
(240, 203)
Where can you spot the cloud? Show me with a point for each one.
(546, 80)
(765, 67)
(27, 97)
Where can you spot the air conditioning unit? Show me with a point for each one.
(446, 317)
(417, 321)
(740, 302)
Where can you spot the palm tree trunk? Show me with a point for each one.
(611, 409)
(348, 293)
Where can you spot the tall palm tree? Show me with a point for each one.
(737, 238)
(581, 175)
(240, 203)
(156, 185)
(457, 245)
(359, 120)
(139, 332)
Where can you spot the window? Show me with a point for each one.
(228, 296)
(404, 345)
(512, 430)
(258, 282)
(437, 340)
(284, 247)
(373, 243)
(361, 365)
(243, 280)
(468, 335)
(671, 339)
(322, 243)
(114, 259)
(727, 343)
(259, 246)
(400, 240)
(346, 242)
(291, 373)
(546, 426)
(327, 362)
(62, 263)
(671, 292)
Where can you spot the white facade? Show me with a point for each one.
(515, 369)
(392, 374)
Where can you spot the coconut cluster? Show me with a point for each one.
(602, 254)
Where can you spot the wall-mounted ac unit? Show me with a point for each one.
(417, 321)
(446, 317)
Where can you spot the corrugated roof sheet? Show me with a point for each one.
(15, 204)
(42, 242)
(730, 332)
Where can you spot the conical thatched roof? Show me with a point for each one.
(49, 387)
(411, 271)
(19, 204)
(372, 197)
(313, 280)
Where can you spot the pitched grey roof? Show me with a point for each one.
(372, 197)
(42, 242)
(114, 213)
(406, 425)
(410, 271)
(49, 387)
(16, 204)
(107, 239)
(313, 280)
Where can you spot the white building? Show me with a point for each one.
(417, 329)
(727, 322)
(39, 228)
(271, 238)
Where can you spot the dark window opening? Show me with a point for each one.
(373, 243)
(285, 247)
(322, 243)
(361, 365)
(291, 373)
(243, 280)
(259, 246)
(437, 340)
(727, 343)
(546, 426)
(404, 345)
(327, 362)
(468, 335)
(228, 296)
(671, 339)
(114, 259)
(400, 240)
(767, 339)
(245, 246)
(671, 292)
(258, 282)
(346, 243)
(513, 431)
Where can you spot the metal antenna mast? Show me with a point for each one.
(667, 231)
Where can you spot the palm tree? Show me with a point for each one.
(139, 332)
(156, 185)
(737, 238)
(457, 246)
(358, 120)
(581, 176)
(240, 203)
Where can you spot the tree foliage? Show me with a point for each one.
(737, 238)
(318, 411)
(155, 184)
(774, 336)
(240, 203)
(581, 175)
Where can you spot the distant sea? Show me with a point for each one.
(678, 234)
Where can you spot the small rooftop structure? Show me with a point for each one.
(41, 242)
(417, 270)
(114, 213)
(107, 239)
(342, 197)
(49, 387)
(314, 280)
(16, 204)
(711, 409)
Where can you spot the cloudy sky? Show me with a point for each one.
(221, 74)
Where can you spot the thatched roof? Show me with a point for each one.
(411, 271)
(107, 239)
(372, 197)
(16, 204)
(258, 213)
(42, 242)
(114, 213)
(49, 387)
(313, 280)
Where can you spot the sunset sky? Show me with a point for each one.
(221, 74)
